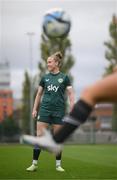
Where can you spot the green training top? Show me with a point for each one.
(54, 86)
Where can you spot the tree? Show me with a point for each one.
(49, 46)
(26, 104)
(111, 56)
(9, 129)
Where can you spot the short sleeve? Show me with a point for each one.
(41, 83)
(67, 81)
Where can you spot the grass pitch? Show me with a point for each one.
(92, 162)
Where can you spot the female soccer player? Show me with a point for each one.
(52, 107)
(104, 90)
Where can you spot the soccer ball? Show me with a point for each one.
(56, 23)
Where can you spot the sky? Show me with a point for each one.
(90, 29)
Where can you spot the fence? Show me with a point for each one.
(91, 137)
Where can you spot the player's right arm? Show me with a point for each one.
(37, 101)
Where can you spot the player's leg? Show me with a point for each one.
(37, 150)
(55, 128)
(102, 91)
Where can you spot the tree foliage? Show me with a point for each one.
(26, 104)
(48, 46)
(111, 56)
(9, 127)
(111, 52)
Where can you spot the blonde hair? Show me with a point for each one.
(58, 57)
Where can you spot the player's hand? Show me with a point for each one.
(34, 114)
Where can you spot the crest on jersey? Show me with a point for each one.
(60, 80)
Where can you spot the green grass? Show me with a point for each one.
(90, 162)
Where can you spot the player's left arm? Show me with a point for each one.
(71, 96)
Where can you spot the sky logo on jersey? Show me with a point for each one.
(52, 88)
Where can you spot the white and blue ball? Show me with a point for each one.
(56, 23)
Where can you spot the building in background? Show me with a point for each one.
(103, 113)
(101, 117)
(99, 125)
(6, 94)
